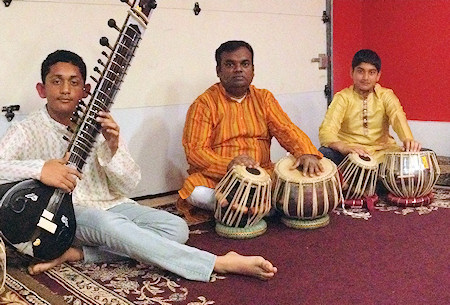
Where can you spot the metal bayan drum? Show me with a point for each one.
(243, 199)
(410, 177)
(2, 265)
(305, 201)
(359, 180)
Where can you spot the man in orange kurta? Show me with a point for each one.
(232, 123)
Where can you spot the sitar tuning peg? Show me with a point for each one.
(96, 69)
(101, 62)
(151, 4)
(74, 118)
(112, 24)
(94, 79)
(104, 42)
(80, 109)
(126, 1)
(104, 54)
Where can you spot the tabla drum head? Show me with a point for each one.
(364, 161)
(284, 171)
(255, 174)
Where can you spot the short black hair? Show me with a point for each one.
(62, 56)
(367, 56)
(231, 46)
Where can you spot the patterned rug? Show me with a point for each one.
(127, 282)
(441, 200)
(121, 283)
(130, 282)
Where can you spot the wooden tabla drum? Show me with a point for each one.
(410, 177)
(243, 199)
(359, 180)
(2, 265)
(305, 201)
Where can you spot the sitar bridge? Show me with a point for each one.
(45, 222)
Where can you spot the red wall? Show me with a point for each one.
(347, 39)
(412, 38)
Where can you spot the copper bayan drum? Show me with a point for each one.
(243, 199)
(411, 176)
(2, 265)
(305, 201)
(359, 179)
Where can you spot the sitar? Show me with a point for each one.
(38, 220)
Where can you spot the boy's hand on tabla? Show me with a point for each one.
(411, 145)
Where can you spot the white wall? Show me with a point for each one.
(173, 65)
(175, 60)
(432, 135)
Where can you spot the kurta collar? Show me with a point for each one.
(375, 91)
(52, 123)
(224, 92)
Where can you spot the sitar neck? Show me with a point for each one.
(110, 79)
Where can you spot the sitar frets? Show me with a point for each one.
(104, 93)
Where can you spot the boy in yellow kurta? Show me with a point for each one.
(359, 116)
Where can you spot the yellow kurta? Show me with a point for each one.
(219, 129)
(344, 121)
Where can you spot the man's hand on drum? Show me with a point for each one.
(411, 145)
(244, 160)
(310, 165)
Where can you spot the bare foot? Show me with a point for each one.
(71, 255)
(255, 266)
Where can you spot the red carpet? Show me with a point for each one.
(389, 259)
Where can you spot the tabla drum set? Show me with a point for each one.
(305, 201)
(246, 195)
(243, 199)
(359, 179)
(410, 177)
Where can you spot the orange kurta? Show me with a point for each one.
(218, 129)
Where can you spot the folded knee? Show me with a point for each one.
(181, 231)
